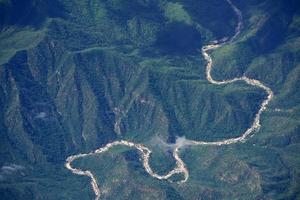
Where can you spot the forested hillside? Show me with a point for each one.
(76, 75)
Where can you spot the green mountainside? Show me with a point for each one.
(75, 75)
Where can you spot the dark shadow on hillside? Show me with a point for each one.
(31, 12)
(125, 10)
(179, 39)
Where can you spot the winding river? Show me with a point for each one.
(180, 165)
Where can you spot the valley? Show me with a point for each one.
(180, 165)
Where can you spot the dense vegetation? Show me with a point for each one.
(70, 69)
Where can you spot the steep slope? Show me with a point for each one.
(97, 71)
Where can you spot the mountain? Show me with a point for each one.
(77, 75)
